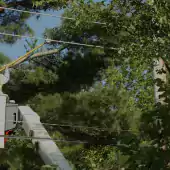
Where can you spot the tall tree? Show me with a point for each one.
(138, 31)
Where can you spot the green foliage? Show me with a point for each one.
(2, 2)
(40, 75)
(20, 154)
(98, 158)
(89, 108)
(14, 23)
(3, 59)
(72, 92)
(29, 81)
(51, 3)
(136, 77)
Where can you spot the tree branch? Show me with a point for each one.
(50, 52)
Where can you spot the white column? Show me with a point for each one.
(48, 150)
(3, 98)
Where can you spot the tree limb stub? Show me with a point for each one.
(50, 52)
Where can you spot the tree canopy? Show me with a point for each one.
(109, 89)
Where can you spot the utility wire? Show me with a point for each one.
(69, 125)
(58, 140)
(41, 138)
(63, 125)
(50, 15)
(57, 41)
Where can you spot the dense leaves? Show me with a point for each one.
(3, 59)
(110, 90)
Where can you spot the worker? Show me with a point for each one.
(4, 78)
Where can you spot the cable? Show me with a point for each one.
(57, 41)
(57, 140)
(50, 15)
(73, 126)
(41, 138)
(61, 140)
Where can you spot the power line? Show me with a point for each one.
(41, 138)
(50, 15)
(61, 140)
(57, 41)
(64, 125)
(56, 140)
(73, 126)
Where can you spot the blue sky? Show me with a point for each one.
(17, 49)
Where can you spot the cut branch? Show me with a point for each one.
(45, 53)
